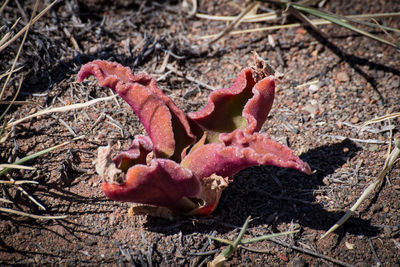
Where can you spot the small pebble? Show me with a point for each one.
(349, 246)
(386, 209)
(342, 77)
(388, 230)
(314, 87)
(396, 83)
(355, 120)
(373, 147)
(310, 109)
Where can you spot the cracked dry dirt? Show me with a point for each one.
(358, 79)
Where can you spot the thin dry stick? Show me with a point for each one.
(72, 39)
(3, 6)
(60, 109)
(383, 28)
(28, 195)
(21, 213)
(19, 49)
(24, 29)
(374, 252)
(304, 19)
(233, 24)
(189, 78)
(8, 72)
(5, 200)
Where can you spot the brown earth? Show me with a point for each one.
(358, 80)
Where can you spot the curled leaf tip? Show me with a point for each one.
(165, 123)
(245, 105)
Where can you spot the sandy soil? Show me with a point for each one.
(358, 79)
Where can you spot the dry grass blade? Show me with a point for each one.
(24, 29)
(19, 49)
(18, 182)
(234, 23)
(336, 19)
(375, 24)
(12, 102)
(59, 109)
(266, 237)
(389, 163)
(21, 213)
(3, 6)
(249, 18)
(382, 118)
(342, 22)
(12, 166)
(272, 15)
(5, 200)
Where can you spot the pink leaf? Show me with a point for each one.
(239, 150)
(163, 183)
(165, 123)
(245, 105)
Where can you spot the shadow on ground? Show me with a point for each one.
(273, 195)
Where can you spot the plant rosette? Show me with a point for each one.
(186, 160)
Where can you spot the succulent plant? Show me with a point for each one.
(187, 159)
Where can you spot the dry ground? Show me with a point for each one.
(358, 78)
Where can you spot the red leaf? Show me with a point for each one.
(165, 123)
(163, 183)
(245, 105)
(239, 150)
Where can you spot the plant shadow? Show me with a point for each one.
(274, 195)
